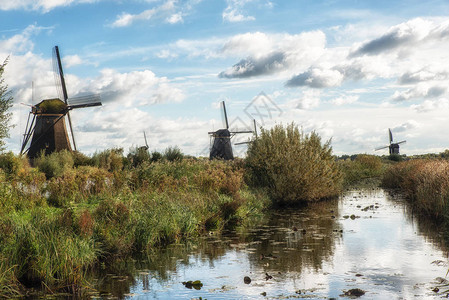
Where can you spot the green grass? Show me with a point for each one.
(70, 213)
(362, 167)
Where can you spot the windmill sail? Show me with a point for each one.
(62, 87)
(84, 101)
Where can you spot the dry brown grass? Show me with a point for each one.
(425, 182)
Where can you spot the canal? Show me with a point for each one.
(367, 241)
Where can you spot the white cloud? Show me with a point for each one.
(39, 5)
(310, 99)
(316, 78)
(72, 60)
(233, 12)
(401, 35)
(422, 90)
(269, 54)
(409, 125)
(170, 11)
(134, 88)
(343, 100)
(431, 105)
(175, 18)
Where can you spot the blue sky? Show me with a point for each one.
(346, 69)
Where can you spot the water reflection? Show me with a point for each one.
(366, 239)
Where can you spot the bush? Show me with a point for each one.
(173, 154)
(13, 165)
(295, 167)
(111, 159)
(55, 164)
(137, 156)
(362, 167)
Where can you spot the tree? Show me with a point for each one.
(5, 104)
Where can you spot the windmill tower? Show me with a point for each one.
(393, 146)
(221, 140)
(48, 131)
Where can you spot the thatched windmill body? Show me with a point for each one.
(393, 146)
(47, 130)
(221, 147)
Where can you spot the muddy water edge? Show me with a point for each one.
(368, 242)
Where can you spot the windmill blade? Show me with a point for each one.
(59, 75)
(28, 133)
(401, 142)
(390, 135)
(145, 137)
(255, 128)
(60, 84)
(225, 115)
(241, 143)
(85, 101)
(380, 148)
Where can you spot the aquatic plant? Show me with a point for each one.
(425, 183)
(293, 166)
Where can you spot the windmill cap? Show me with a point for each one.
(51, 106)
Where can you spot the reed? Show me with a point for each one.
(294, 167)
(364, 166)
(425, 183)
(69, 213)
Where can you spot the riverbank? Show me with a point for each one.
(59, 220)
(425, 183)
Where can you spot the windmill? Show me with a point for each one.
(221, 140)
(393, 147)
(47, 130)
(145, 148)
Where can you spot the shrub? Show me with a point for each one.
(156, 156)
(137, 156)
(13, 165)
(363, 166)
(55, 164)
(173, 154)
(295, 167)
(111, 159)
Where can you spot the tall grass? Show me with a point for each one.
(70, 212)
(425, 182)
(295, 167)
(364, 166)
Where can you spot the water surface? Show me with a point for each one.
(367, 239)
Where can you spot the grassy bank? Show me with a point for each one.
(71, 213)
(363, 168)
(425, 183)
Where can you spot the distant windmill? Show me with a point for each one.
(221, 140)
(146, 144)
(393, 147)
(47, 130)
